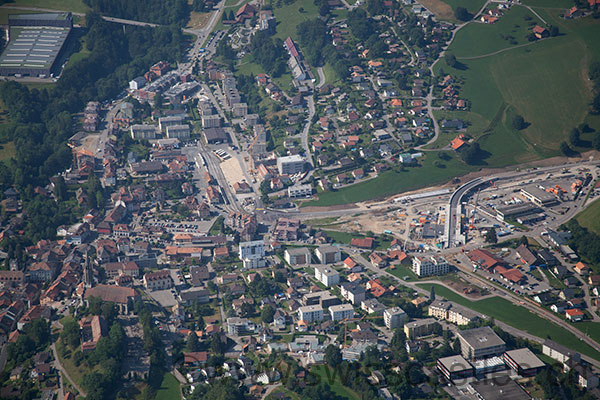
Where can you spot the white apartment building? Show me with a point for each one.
(327, 276)
(290, 165)
(328, 254)
(178, 131)
(394, 317)
(310, 314)
(252, 254)
(341, 312)
(139, 131)
(432, 265)
(300, 191)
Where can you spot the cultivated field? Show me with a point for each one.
(590, 217)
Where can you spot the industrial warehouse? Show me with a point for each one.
(35, 42)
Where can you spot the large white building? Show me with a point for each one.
(394, 317)
(252, 253)
(165, 122)
(432, 265)
(328, 254)
(290, 165)
(327, 276)
(341, 312)
(211, 121)
(140, 131)
(178, 131)
(310, 314)
(300, 191)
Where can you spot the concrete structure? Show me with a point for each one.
(252, 253)
(538, 196)
(297, 256)
(165, 122)
(445, 310)
(455, 367)
(341, 312)
(394, 317)
(310, 314)
(211, 121)
(559, 352)
(419, 328)
(353, 292)
(178, 131)
(35, 42)
(140, 131)
(327, 276)
(299, 191)
(328, 254)
(432, 265)
(290, 165)
(480, 343)
(239, 326)
(523, 361)
(158, 280)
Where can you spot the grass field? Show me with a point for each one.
(517, 82)
(520, 318)
(7, 150)
(169, 388)
(476, 125)
(441, 9)
(247, 66)
(328, 376)
(402, 271)
(64, 5)
(392, 182)
(289, 17)
(590, 217)
(471, 5)
(478, 39)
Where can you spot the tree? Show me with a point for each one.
(333, 356)
(231, 17)
(596, 141)
(451, 60)
(575, 137)
(596, 104)
(491, 237)
(192, 344)
(462, 14)
(470, 154)
(432, 293)
(267, 314)
(60, 189)
(518, 122)
(565, 149)
(523, 240)
(70, 333)
(554, 31)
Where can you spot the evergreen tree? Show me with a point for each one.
(432, 293)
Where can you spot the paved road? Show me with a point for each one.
(322, 78)
(311, 113)
(61, 369)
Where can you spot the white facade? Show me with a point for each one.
(139, 131)
(178, 132)
(290, 165)
(211, 121)
(310, 314)
(394, 317)
(425, 266)
(137, 83)
(341, 312)
(252, 253)
(327, 276)
(300, 191)
(165, 122)
(328, 254)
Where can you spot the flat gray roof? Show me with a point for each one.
(455, 363)
(45, 16)
(499, 388)
(33, 46)
(480, 338)
(525, 358)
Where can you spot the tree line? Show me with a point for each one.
(164, 12)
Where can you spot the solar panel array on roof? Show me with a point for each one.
(32, 49)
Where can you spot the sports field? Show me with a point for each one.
(520, 318)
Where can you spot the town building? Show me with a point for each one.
(523, 361)
(341, 312)
(252, 254)
(328, 254)
(394, 317)
(442, 309)
(455, 367)
(290, 165)
(140, 131)
(178, 131)
(310, 314)
(432, 265)
(296, 191)
(420, 328)
(158, 280)
(480, 343)
(297, 256)
(353, 292)
(327, 276)
(559, 352)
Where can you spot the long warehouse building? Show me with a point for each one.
(35, 43)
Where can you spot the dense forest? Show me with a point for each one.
(39, 121)
(164, 12)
